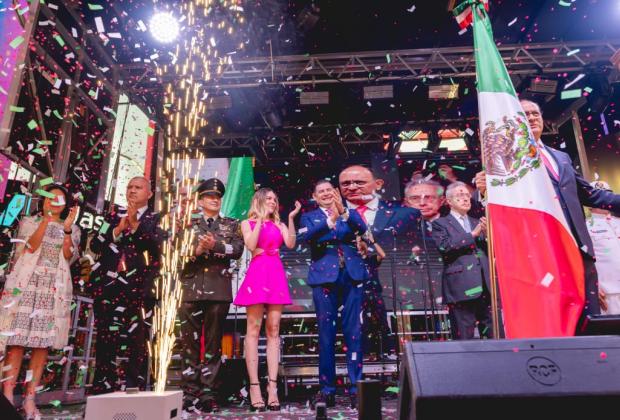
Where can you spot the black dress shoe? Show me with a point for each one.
(353, 398)
(209, 406)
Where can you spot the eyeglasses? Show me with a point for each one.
(534, 114)
(421, 198)
(347, 184)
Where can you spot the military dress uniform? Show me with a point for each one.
(207, 294)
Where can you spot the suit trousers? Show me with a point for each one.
(592, 305)
(120, 330)
(198, 319)
(464, 314)
(328, 298)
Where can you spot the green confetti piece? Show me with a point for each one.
(466, 91)
(92, 93)
(473, 291)
(45, 143)
(46, 194)
(92, 6)
(388, 58)
(46, 181)
(460, 168)
(16, 108)
(104, 228)
(359, 131)
(55, 403)
(124, 347)
(57, 114)
(393, 389)
(59, 39)
(301, 282)
(588, 89)
(150, 130)
(73, 305)
(130, 273)
(113, 327)
(134, 318)
(17, 42)
(22, 11)
(39, 151)
(564, 3)
(16, 291)
(570, 94)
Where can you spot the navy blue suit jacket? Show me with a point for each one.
(396, 224)
(574, 192)
(324, 243)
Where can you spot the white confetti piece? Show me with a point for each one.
(546, 281)
(512, 22)
(99, 24)
(575, 80)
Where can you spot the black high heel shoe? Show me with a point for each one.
(274, 405)
(257, 406)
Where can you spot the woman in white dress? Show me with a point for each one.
(35, 306)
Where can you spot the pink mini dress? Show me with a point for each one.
(265, 281)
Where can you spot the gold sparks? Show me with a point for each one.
(195, 61)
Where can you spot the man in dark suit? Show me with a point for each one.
(336, 275)
(463, 247)
(573, 192)
(207, 295)
(129, 249)
(395, 228)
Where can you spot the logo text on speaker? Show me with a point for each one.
(544, 371)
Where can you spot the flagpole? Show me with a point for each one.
(477, 14)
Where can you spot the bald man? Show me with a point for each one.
(395, 228)
(122, 282)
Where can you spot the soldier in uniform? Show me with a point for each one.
(207, 294)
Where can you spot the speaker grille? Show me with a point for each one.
(125, 416)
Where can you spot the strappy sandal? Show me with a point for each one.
(257, 406)
(34, 415)
(274, 405)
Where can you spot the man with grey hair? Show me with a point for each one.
(426, 196)
(573, 192)
(462, 244)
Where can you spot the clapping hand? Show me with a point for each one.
(70, 220)
(295, 211)
(207, 241)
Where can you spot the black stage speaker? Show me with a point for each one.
(7, 411)
(600, 325)
(551, 378)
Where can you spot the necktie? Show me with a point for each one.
(549, 166)
(362, 211)
(209, 222)
(465, 224)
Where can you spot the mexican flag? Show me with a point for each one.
(539, 267)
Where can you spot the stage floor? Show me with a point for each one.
(290, 411)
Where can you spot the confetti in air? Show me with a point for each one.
(195, 60)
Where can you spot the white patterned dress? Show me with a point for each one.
(35, 308)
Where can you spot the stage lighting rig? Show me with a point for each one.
(164, 27)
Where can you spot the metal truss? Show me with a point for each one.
(455, 62)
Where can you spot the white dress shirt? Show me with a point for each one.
(543, 149)
(371, 211)
(463, 220)
(607, 250)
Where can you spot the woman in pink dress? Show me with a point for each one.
(265, 288)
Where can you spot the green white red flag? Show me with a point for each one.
(538, 263)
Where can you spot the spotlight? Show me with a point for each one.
(164, 27)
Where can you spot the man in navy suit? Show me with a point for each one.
(573, 192)
(461, 242)
(396, 229)
(336, 276)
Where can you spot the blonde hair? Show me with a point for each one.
(257, 209)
